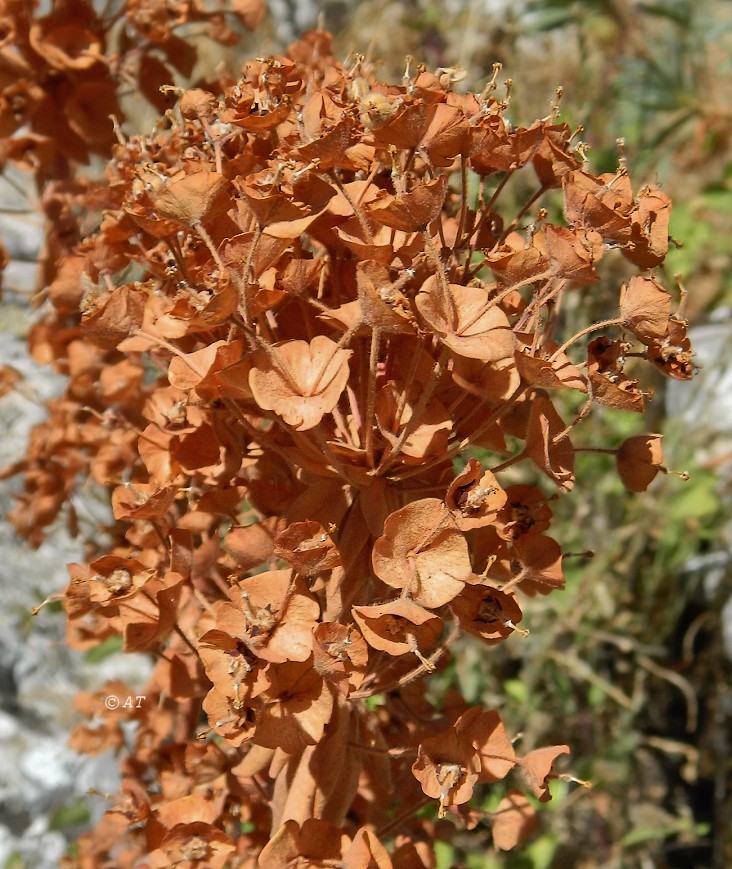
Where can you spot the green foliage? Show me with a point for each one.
(74, 814)
(110, 646)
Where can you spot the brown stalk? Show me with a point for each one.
(463, 206)
(371, 395)
(419, 671)
(517, 219)
(605, 324)
(465, 442)
(416, 416)
(583, 412)
(549, 291)
(357, 210)
(443, 283)
(486, 210)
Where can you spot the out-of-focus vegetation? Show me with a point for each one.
(628, 665)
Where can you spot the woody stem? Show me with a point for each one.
(371, 396)
(586, 331)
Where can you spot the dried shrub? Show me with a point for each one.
(303, 304)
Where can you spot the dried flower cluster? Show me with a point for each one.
(293, 318)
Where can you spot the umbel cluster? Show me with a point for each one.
(318, 354)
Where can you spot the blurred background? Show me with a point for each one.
(632, 664)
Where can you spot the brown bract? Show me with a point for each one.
(649, 228)
(193, 846)
(381, 305)
(645, 307)
(273, 614)
(541, 563)
(318, 842)
(513, 821)
(572, 254)
(113, 578)
(601, 202)
(146, 619)
(672, 354)
(487, 612)
(340, 653)
(114, 316)
(398, 627)
(552, 453)
(536, 769)
(191, 199)
(410, 211)
(476, 748)
(423, 552)
(474, 497)
(294, 710)
(300, 381)
(287, 199)
(465, 320)
(526, 510)
(366, 852)
(638, 461)
(548, 369)
(427, 438)
(307, 547)
(610, 386)
(447, 769)
(490, 741)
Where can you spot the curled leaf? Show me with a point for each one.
(638, 460)
(474, 497)
(398, 627)
(645, 308)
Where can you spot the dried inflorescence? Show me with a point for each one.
(302, 305)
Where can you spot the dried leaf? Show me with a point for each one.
(513, 821)
(556, 460)
(639, 460)
(300, 381)
(398, 627)
(423, 552)
(645, 308)
(536, 769)
(465, 320)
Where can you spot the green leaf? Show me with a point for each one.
(516, 690)
(374, 702)
(484, 861)
(679, 13)
(551, 20)
(542, 851)
(72, 815)
(107, 647)
(694, 501)
(444, 854)
(718, 199)
(663, 831)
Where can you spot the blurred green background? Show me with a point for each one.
(631, 664)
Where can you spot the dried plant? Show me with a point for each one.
(303, 304)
